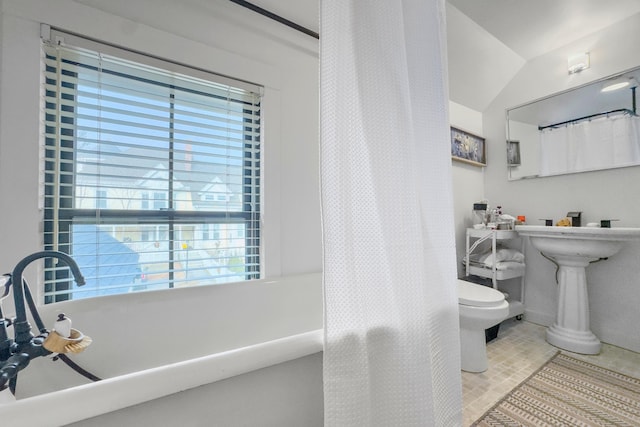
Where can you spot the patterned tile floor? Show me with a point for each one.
(518, 352)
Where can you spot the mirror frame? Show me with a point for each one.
(568, 106)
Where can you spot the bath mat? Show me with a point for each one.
(569, 392)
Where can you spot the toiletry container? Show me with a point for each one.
(479, 213)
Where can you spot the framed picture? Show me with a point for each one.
(513, 153)
(468, 148)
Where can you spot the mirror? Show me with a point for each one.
(574, 131)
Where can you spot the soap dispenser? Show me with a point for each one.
(480, 214)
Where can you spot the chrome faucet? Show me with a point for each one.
(16, 356)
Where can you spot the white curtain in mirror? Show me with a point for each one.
(392, 352)
(602, 143)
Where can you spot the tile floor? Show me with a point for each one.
(518, 352)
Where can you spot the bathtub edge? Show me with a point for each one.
(127, 390)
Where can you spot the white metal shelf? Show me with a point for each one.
(489, 273)
(499, 234)
(477, 236)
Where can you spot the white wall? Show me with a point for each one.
(613, 284)
(200, 33)
(468, 180)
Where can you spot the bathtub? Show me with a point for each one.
(247, 353)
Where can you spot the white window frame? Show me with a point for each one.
(60, 37)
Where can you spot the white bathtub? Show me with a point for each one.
(234, 354)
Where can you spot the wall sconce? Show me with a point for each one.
(578, 62)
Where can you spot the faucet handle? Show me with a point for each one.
(575, 218)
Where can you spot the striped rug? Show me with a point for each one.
(569, 392)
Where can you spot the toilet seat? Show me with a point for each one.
(475, 295)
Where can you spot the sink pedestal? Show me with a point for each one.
(571, 329)
(572, 249)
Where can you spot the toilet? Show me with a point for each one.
(481, 307)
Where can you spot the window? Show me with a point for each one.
(101, 199)
(145, 200)
(160, 200)
(129, 151)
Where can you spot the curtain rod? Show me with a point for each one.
(277, 18)
(631, 112)
(605, 113)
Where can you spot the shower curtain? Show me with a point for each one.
(602, 143)
(392, 352)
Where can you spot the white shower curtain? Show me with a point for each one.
(602, 143)
(392, 352)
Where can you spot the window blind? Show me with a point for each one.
(151, 176)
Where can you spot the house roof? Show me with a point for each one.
(118, 264)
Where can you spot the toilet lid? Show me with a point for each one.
(478, 295)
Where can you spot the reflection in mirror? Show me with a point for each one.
(579, 130)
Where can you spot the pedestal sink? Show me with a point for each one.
(572, 249)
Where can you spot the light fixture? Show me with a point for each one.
(619, 83)
(578, 62)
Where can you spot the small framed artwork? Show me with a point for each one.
(468, 148)
(513, 153)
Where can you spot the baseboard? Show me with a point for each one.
(625, 341)
(538, 317)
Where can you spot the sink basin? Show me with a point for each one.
(589, 233)
(587, 243)
(572, 249)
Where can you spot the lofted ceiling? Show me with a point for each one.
(490, 40)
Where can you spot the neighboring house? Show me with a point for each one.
(137, 183)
